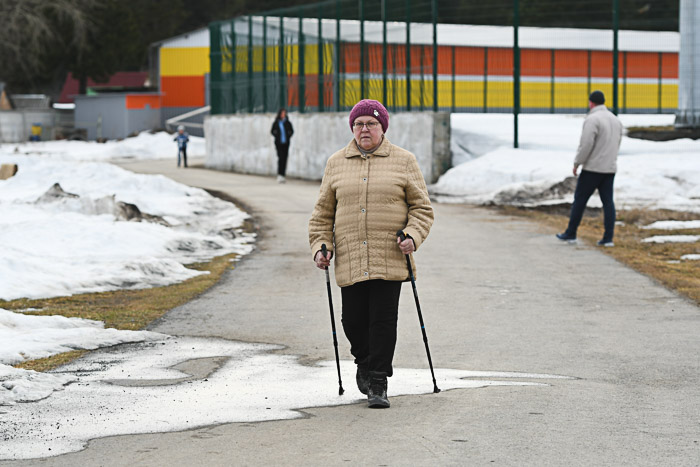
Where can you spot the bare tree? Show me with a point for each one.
(29, 29)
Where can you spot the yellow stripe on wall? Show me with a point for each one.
(184, 61)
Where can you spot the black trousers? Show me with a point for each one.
(587, 183)
(370, 315)
(282, 154)
(182, 152)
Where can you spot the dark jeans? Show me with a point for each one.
(370, 315)
(282, 153)
(182, 152)
(587, 183)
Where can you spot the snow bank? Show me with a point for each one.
(27, 337)
(489, 171)
(144, 146)
(63, 245)
(140, 389)
(672, 239)
(673, 225)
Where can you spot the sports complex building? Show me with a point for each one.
(258, 64)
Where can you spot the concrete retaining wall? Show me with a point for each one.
(242, 142)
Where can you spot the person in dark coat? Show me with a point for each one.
(282, 130)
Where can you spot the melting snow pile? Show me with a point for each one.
(104, 228)
(489, 171)
(183, 383)
(144, 146)
(25, 337)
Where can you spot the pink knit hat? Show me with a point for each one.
(371, 108)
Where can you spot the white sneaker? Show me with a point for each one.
(281, 179)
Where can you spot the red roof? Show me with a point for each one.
(121, 79)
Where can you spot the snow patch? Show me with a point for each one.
(27, 337)
(64, 231)
(145, 145)
(672, 239)
(654, 175)
(673, 225)
(140, 389)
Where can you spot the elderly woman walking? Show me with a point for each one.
(370, 189)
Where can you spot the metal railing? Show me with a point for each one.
(416, 55)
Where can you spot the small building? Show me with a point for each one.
(117, 115)
(119, 81)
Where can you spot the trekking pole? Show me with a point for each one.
(324, 252)
(402, 236)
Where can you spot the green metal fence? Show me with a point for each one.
(438, 55)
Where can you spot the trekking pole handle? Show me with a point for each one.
(324, 250)
(401, 235)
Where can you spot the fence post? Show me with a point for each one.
(422, 77)
(264, 66)
(337, 56)
(486, 79)
(320, 61)
(281, 65)
(516, 71)
(408, 55)
(361, 4)
(551, 81)
(384, 71)
(435, 56)
(454, 81)
(588, 78)
(250, 64)
(659, 94)
(616, 27)
(624, 81)
(301, 69)
(234, 53)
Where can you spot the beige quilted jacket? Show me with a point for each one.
(362, 203)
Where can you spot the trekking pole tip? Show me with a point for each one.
(341, 391)
(436, 389)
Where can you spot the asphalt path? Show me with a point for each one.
(498, 294)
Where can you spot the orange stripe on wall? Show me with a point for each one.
(136, 102)
(570, 63)
(182, 91)
(535, 62)
(642, 65)
(469, 61)
(669, 65)
(601, 64)
(501, 62)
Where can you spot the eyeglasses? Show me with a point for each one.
(369, 125)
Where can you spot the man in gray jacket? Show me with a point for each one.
(597, 153)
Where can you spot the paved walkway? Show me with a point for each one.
(497, 293)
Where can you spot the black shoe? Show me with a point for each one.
(362, 378)
(565, 237)
(377, 398)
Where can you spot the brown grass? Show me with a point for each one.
(121, 309)
(658, 261)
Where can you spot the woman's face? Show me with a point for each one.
(283, 114)
(366, 137)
